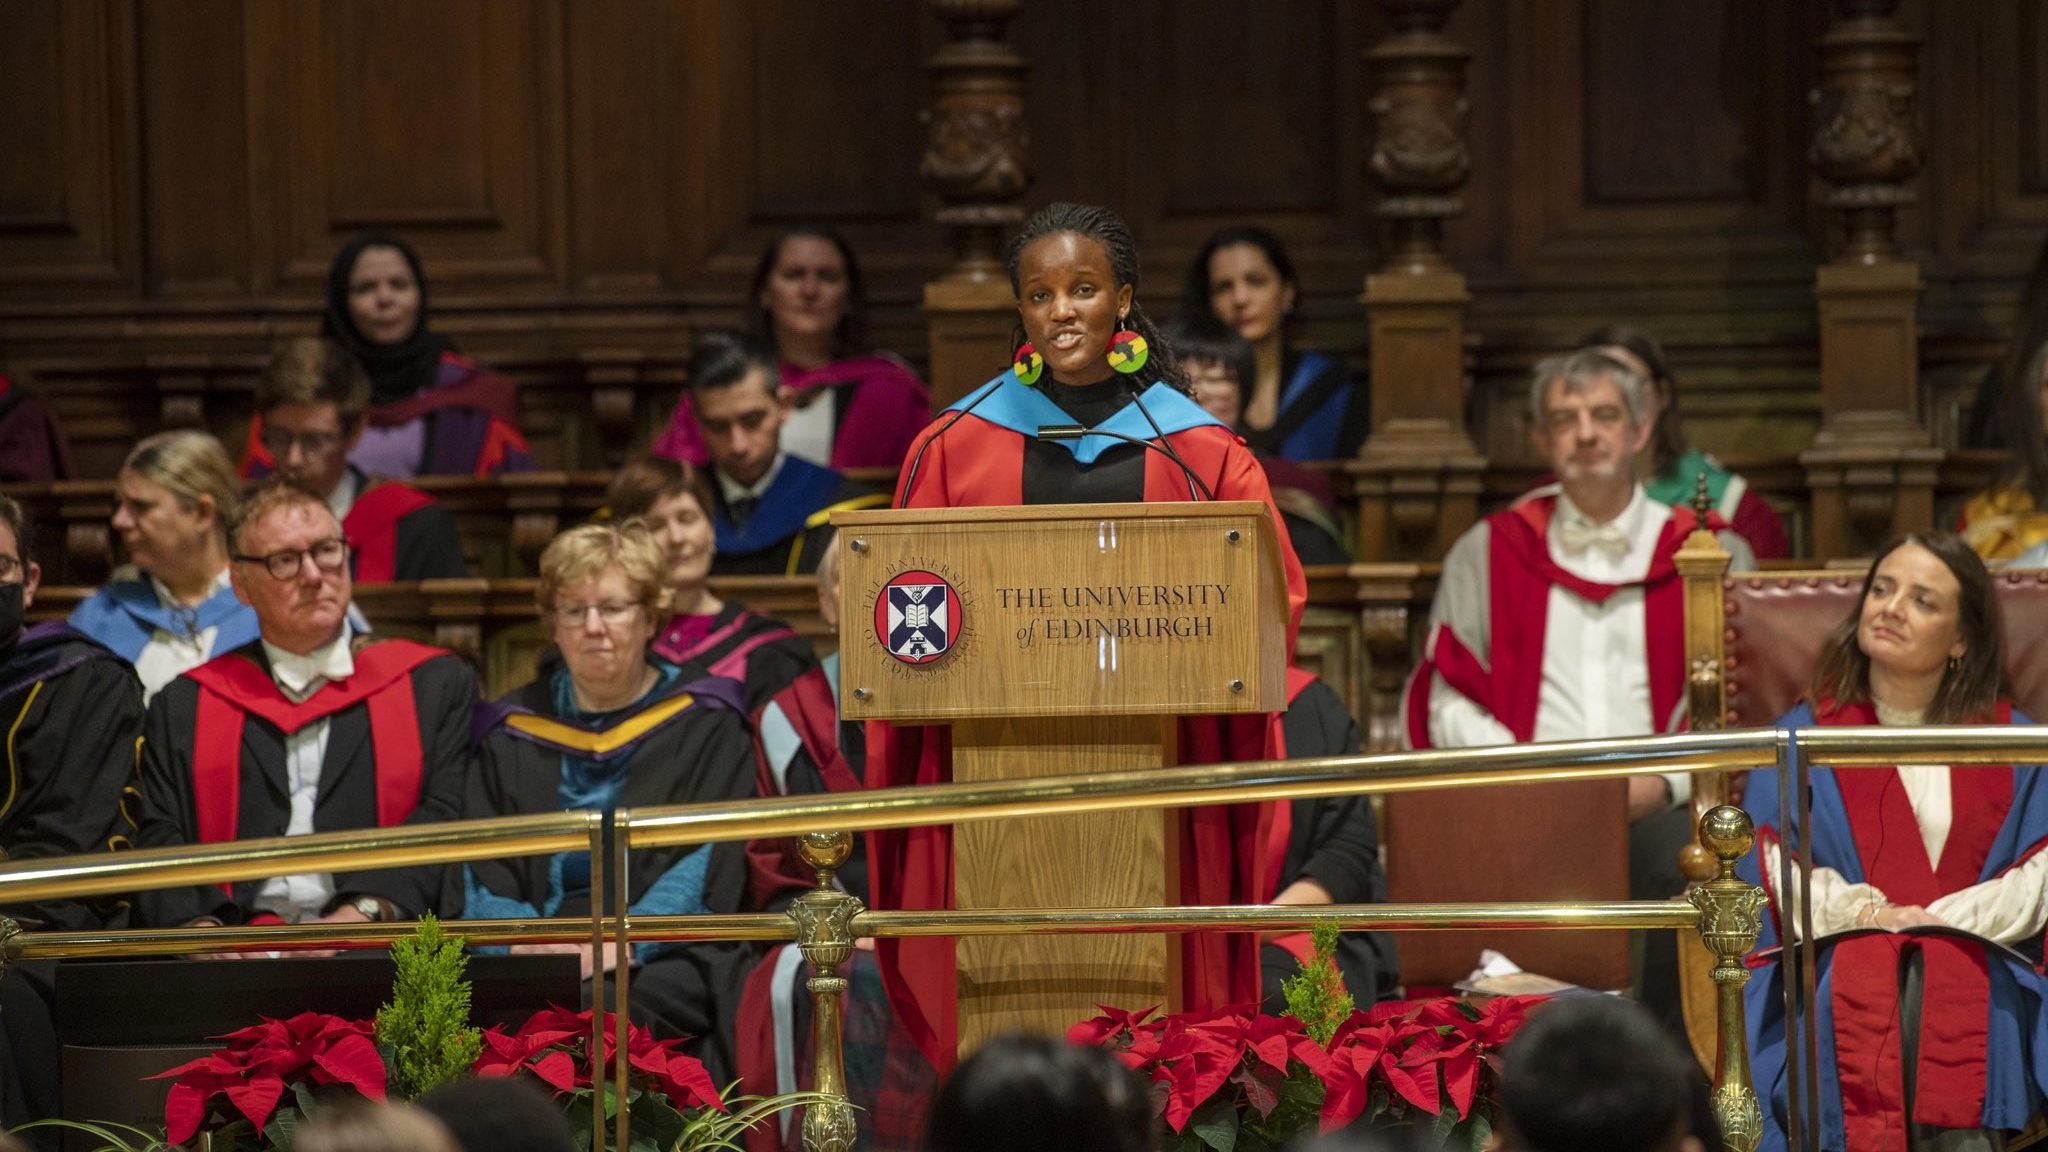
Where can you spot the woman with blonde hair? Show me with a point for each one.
(171, 608)
(607, 725)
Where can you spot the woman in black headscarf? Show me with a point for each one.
(432, 410)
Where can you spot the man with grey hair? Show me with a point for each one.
(1561, 617)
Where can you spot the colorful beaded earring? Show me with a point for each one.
(1029, 364)
(1128, 352)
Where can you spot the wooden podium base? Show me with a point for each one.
(1046, 984)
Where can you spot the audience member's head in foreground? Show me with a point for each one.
(1025, 1093)
(500, 1114)
(360, 1126)
(1594, 1072)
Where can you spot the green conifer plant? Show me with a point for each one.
(426, 1026)
(1316, 995)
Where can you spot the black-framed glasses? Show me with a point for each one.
(328, 555)
(12, 570)
(278, 442)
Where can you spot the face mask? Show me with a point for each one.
(10, 613)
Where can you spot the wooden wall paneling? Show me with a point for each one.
(441, 122)
(68, 197)
(624, 99)
(1984, 193)
(195, 149)
(1256, 113)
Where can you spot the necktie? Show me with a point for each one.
(743, 510)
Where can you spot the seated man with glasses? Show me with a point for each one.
(310, 400)
(311, 728)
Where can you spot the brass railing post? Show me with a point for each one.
(1730, 917)
(824, 923)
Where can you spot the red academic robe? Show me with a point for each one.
(1507, 679)
(1237, 850)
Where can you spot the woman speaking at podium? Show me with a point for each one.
(1093, 410)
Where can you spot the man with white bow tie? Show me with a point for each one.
(1579, 579)
(1561, 617)
(310, 728)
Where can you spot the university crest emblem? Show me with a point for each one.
(917, 617)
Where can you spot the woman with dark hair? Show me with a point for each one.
(1676, 466)
(433, 411)
(2011, 517)
(1929, 891)
(1023, 1093)
(1299, 405)
(1092, 358)
(853, 407)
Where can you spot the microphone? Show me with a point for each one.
(1076, 432)
(1165, 444)
(910, 474)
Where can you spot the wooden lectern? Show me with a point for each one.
(1061, 639)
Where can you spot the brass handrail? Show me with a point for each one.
(826, 922)
(146, 869)
(458, 841)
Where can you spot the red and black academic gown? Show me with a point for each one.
(1983, 1047)
(213, 764)
(71, 712)
(981, 460)
(397, 532)
(1506, 677)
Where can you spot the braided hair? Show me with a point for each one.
(1107, 229)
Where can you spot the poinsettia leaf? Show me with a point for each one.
(1473, 1132)
(1440, 1131)
(256, 1097)
(184, 1112)
(1418, 1089)
(353, 1060)
(1261, 1095)
(1461, 1080)
(557, 1069)
(1216, 1123)
(284, 1123)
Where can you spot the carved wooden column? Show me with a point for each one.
(1872, 467)
(975, 164)
(1418, 476)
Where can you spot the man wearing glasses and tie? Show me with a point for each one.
(314, 727)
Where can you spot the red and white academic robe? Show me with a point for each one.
(1597, 646)
(981, 461)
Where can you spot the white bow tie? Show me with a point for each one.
(1578, 534)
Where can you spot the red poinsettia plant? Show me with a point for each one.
(1237, 1080)
(667, 1089)
(264, 1079)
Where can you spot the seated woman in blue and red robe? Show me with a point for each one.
(1929, 888)
(433, 411)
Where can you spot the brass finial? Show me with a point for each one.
(1702, 502)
